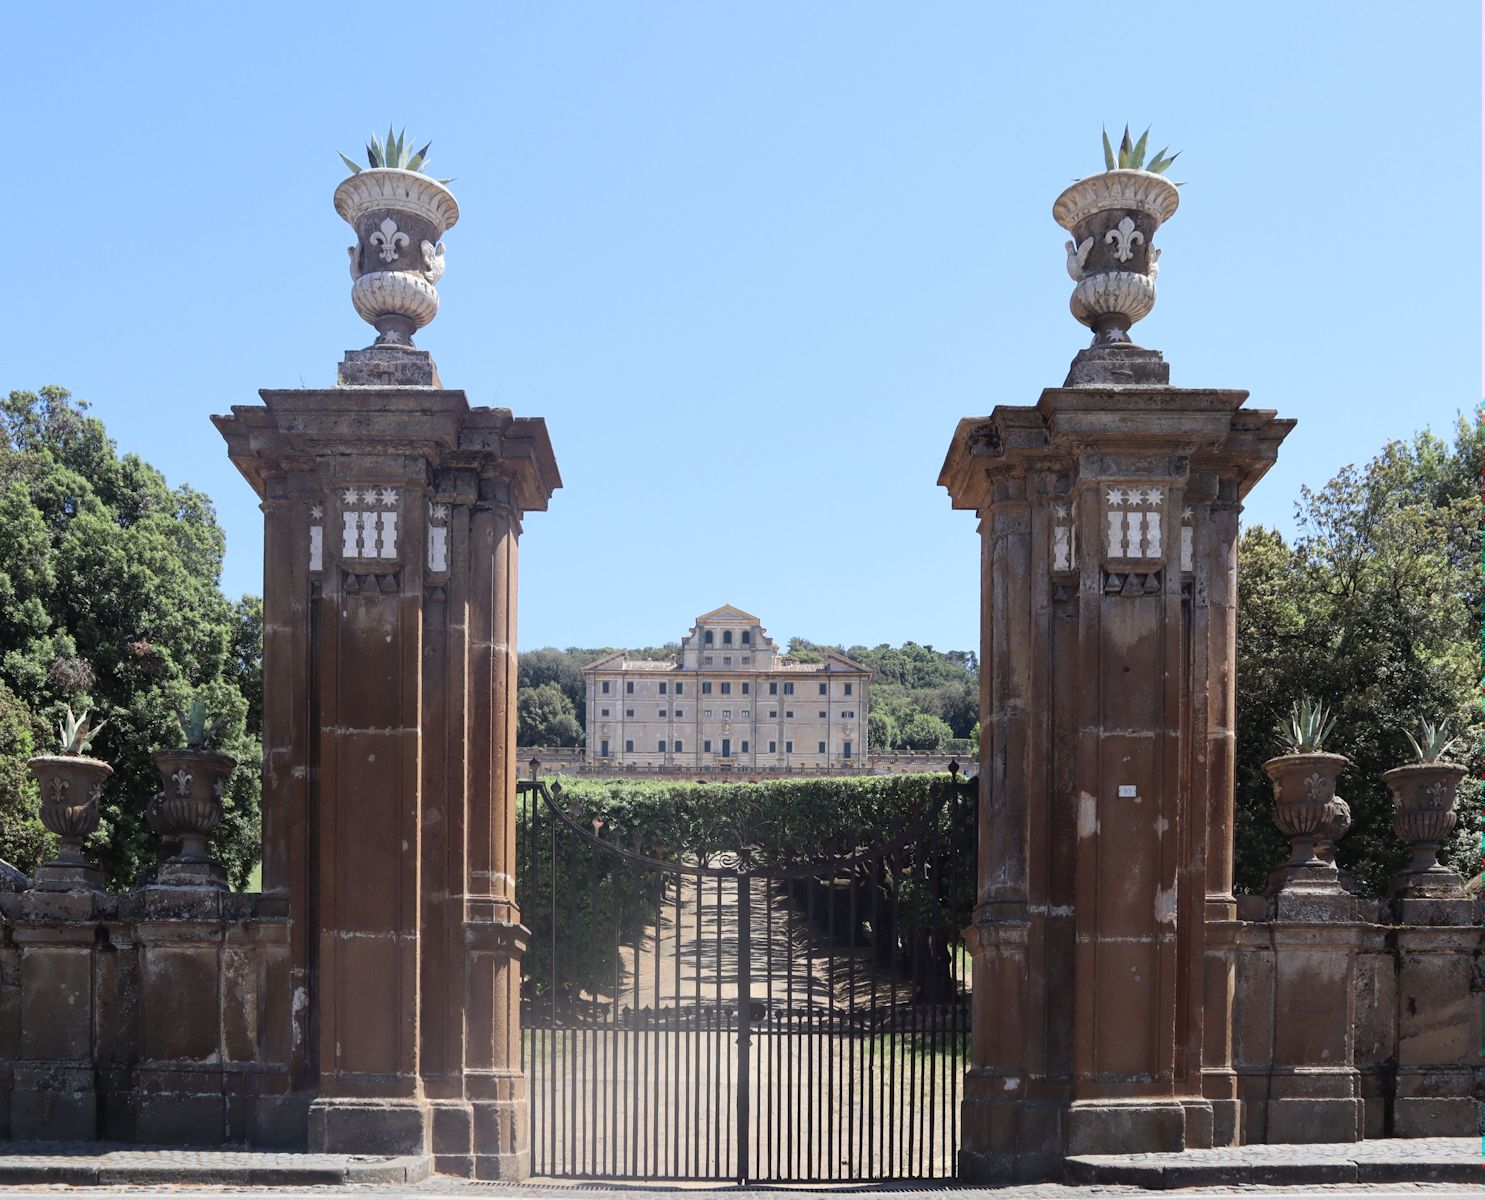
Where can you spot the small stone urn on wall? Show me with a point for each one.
(70, 785)
(399, 215)
(1113, 218)
(1305, 804)
(190, 805)
(1423, 816)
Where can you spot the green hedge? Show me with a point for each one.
(602, 900)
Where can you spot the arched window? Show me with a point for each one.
(726, 637)
(747, 638)
(708, 637)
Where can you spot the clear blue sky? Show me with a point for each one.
(750, 261)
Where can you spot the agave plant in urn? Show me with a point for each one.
(1305, 803)
(71, 781)
(400, 215)
(189, 806)
(1112, 217)
(1423, 815)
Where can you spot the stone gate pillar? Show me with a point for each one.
(392, 510)
(1108, 521)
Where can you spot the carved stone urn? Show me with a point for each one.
(70, 785)
(1305, 810)
(187, 810)
(399, 218)
(1423, 816)
(1113, 217)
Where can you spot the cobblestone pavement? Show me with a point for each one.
(1228, 1172)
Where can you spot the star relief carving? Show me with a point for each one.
(316, 512)
(1118, 496)
(352, 496)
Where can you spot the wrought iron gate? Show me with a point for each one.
(741, 1014)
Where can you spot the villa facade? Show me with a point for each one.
(729, 700)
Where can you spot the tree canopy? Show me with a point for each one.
(109, 586)
(1373, 609)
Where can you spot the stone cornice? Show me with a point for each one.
(1206, 424)
(294, 430)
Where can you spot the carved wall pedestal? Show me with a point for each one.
(1108, 522)
(391, 517)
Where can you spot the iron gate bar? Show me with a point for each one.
(837, 1036)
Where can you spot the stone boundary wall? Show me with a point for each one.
(570, 760)
(157, 1016)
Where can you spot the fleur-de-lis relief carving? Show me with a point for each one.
(389, 239)
(1124, 236)
(182, 780)
(1077, 257)
(59, 790)
(1439, 793)
(1317, 787)
(432, 261)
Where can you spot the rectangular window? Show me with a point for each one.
(847, 715)
(773, 712)
(605, 687)
(824, 716)
(678, 747)
(706, 689)
(662, 688)
(707, 713)
(680, 689)
(824, 689)
(603, 750)
(707, 660)
(629, 747)
(744, 748)
(662, 712)
(773, 747)
(788, 689)
(821, 750)
(726, 714)
(628, 712)
(747, 637)
(603, 712)
(746, 686)
(773, 689)
(726, 689)
(706, 746)
(744, 714)
(726, 747)
(788, 714)
(679, 713)
(848, 688)
(662, 745)
(629, 687)
(846, 753)
(788, 747)
(726, 660)
(747, 658)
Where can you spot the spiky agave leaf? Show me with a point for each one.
(1137, 158)
(350, 162)
(1435, 744)
(1125, 146)
(1108, 151)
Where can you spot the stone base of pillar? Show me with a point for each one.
(369, 1125)
(1435, 1103)
(502, 1138)
(69, 877)
(453, 1137)
(1142, 1126)
(1227, 1122)
(1314, 1104)
(1005, 1137)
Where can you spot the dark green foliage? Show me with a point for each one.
(545, 717)
(1374, 611)
(782, 823)
(108, 582)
